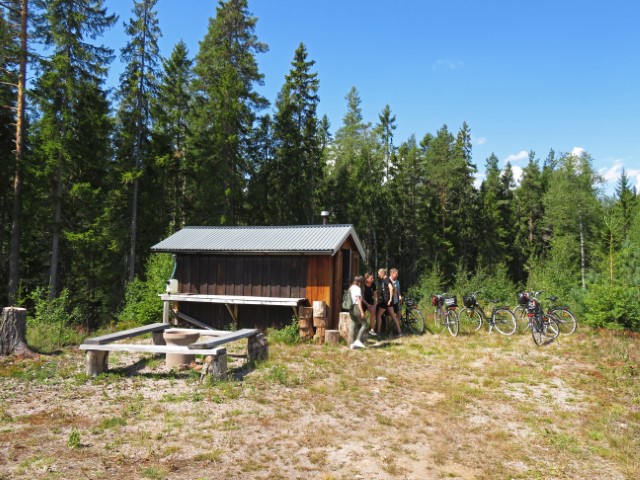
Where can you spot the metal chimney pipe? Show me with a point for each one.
(325, 217)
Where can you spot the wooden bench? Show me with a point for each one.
(231, 302)
(98, 348)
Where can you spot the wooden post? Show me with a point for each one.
(165, 311)
(257, 348)
(13, 330)
(215, 365)
(97, 362)
(305, 322)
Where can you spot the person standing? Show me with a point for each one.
(397, 295)
(385, 300)
(369, 300)
(356, 314)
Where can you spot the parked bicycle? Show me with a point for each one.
(473, 315)
(543, 325)
(411, 318)
(445, 315)
(564, 317)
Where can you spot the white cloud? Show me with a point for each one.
(517, 157)
(577, 151)
(447, 64)
(478, 140)
(517, 173)
(612, 173)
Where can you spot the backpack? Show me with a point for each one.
(347, 301)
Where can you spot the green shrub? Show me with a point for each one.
(142, 304)
(491, 286)
(613, 307)
(55, 322)
(429, 283)
(288, 335)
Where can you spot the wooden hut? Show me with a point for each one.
(256, 277)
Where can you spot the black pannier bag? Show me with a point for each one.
(469, 301)
(523, 298)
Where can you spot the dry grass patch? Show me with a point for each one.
(475, 407)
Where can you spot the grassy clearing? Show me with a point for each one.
(474, 407)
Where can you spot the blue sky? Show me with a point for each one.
(562, 74)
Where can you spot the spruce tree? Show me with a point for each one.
(170, 112)
(226, 73)
(73, 138)
(138, 86)
(297, 169)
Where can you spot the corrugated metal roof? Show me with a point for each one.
(299, 239)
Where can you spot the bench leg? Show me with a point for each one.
(97, 362)
(215, 365)
(158, 338)
(257, 348)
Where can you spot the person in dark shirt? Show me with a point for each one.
(369, 300)
(385, 300)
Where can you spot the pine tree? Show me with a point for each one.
(572, 210)
(13, 74)
(138, 86)
(224, 114)
(73, 133)
(297, 169)
(170, 111)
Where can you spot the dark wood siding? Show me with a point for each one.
(249, 275)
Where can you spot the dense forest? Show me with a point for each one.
(91, 178)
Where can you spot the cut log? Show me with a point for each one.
(320, 322)
(319, 308)
(332, 337)
(257, 348)
(13, 331)
(304, 323)
(343, 327)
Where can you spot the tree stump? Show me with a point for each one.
(13, 330)
(343, 326)
(332, 337)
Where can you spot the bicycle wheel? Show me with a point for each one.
(470, 320)
(522, 319)
(504, 321)
(415, 321)
(551, 327)
(438, 324)
(566, 320)
(537, 330)
(452, 322)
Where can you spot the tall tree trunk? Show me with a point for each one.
(55, 244)
(134, 230)
(14, 255)
(582, 256)
(530, 226)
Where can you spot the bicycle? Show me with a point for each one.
(544, 326)
(445, 315)
(473, 315)
(564, 317)
(410, 318)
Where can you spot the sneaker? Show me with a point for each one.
(357, 344)
(372, 333)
